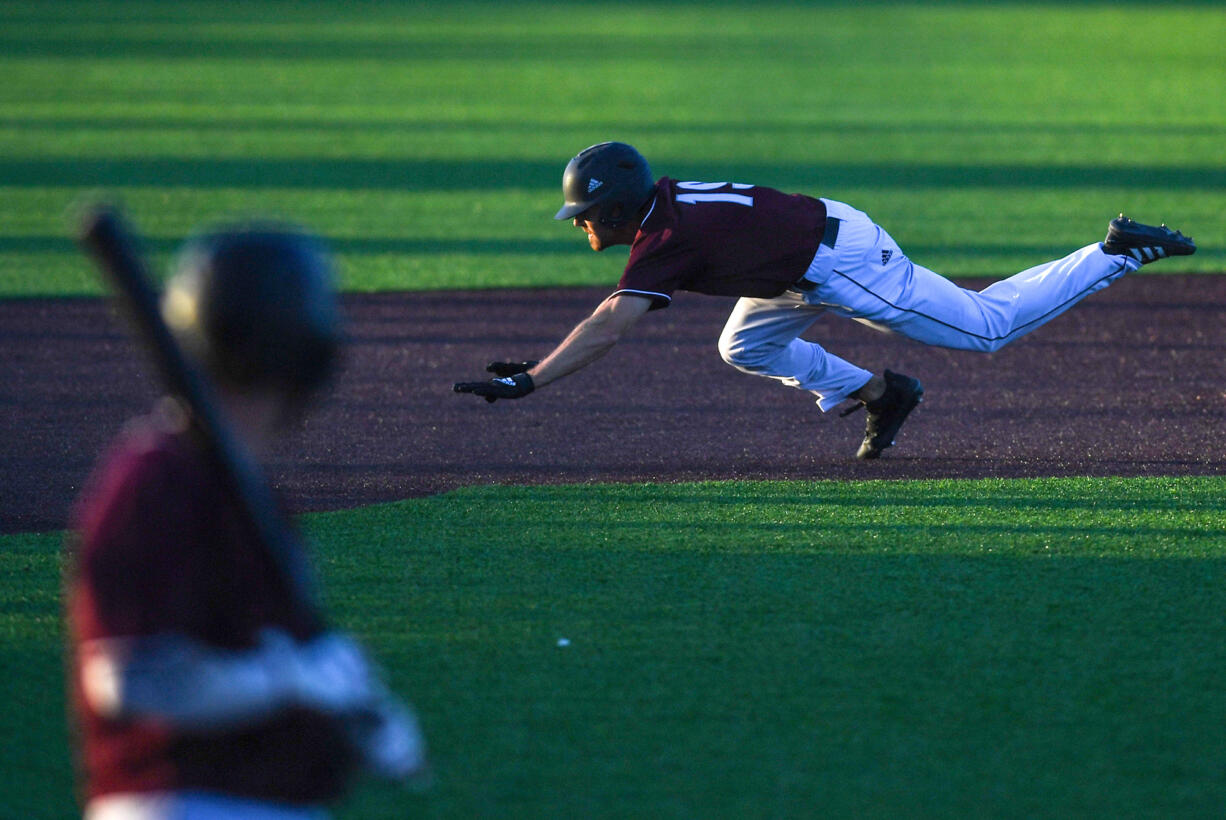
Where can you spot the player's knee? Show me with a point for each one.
(978, 344)
(731, 348)
(727, 348)
(985, 340)
(745, 355)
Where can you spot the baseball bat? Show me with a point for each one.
(107, 238)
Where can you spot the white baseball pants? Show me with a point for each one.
(866, 277)
(194, 806)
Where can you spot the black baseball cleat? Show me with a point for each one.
(887, 413)
(1145, 243)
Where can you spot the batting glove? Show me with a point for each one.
(504, 369)
(389, 741)
(509, 387)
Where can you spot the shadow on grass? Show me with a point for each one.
(664, 495)
(532, 128)
(455, 175)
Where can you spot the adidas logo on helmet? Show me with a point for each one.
(593, 184)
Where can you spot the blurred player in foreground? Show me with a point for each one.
(199, 689)
(789, 258)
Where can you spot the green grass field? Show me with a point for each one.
(929, 649)
(428, 140)
(1041, 648)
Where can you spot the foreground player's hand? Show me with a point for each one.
(388, 738)
(508, 387)
(504, 369)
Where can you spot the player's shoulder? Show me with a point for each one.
(662, 210)
(151, 464)
(156, 446)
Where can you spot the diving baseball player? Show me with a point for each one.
(790, 257)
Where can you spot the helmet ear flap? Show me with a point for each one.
(613, 214)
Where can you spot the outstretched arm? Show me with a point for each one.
(592, 338)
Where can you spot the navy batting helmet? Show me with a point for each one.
(256, 305)
(612, 175)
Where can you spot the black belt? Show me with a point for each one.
(829, 236)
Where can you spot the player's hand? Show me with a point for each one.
(332, 674)
(389, 741)
(508, 387)
(504, 369)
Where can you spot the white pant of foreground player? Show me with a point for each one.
(194, 806)
(866, 277)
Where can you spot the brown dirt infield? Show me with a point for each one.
(1127, 383)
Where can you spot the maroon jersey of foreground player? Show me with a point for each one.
(163, 549)
(724, 239)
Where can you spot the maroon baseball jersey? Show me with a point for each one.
(722, 238)
(162, 547)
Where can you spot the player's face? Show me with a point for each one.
(587, 222)
(601, 236)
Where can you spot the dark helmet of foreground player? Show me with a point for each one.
(612, 175)
(256, 305)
